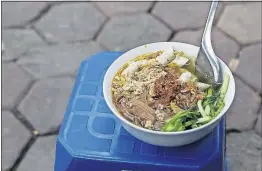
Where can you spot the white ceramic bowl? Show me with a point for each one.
(168, 139)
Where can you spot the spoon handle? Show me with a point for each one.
(207, 32)
(206, 44)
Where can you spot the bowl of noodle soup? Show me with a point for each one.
(154, 93)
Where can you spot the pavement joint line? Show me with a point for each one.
(101, 28)
(16, 58)
(14, 27)
(242, 46)
(248, 84)
(26, 90)
(152, 7)
(7, 61)
(23, 153)
(256, 120)
(73, 41)
(103, 46)
(191, 29)
(171, 36)
(100, 10)
(31, 21)
(51, 132)
(229, 36)
(250, 44)
(238, 52)
(260, 108)
(230, 131)
(62, 75)
(19, 116)
(20, 67)
(40, 14)
(40, 34)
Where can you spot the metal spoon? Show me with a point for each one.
(208, 67)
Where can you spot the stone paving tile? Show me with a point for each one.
(258, 124)
(45, 104)
(242, 21)
(57, 59)
(250, 65)
(243, 113)
(12, 133)
(224, 47)
(184, 15)
(70, 22)
(41, 155)
(15, 81)
(18, 41)
(19, 13)
(244, 151)
(113, 8)
(128, 31)
(189, 36)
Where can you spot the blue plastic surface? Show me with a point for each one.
(92, 139)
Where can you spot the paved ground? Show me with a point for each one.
(44, 42)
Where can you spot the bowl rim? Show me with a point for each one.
(118, 115)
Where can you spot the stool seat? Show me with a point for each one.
(91, 138)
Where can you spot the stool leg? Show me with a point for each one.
(63, 159)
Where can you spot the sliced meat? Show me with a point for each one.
(141, 110)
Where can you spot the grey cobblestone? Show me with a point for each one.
(224, 47)
(69, 22)
(250, 65)
(15, 81)
(242, 21)
(184, 15)
(128, 31)
(12, 132)
(17, 42)
(243, 113)
(189, 36)
(45, 104)
(114, 8)
(41, 155)
(244, 150)
(19, 13)
(58, 59)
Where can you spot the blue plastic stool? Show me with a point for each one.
(92, 139)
